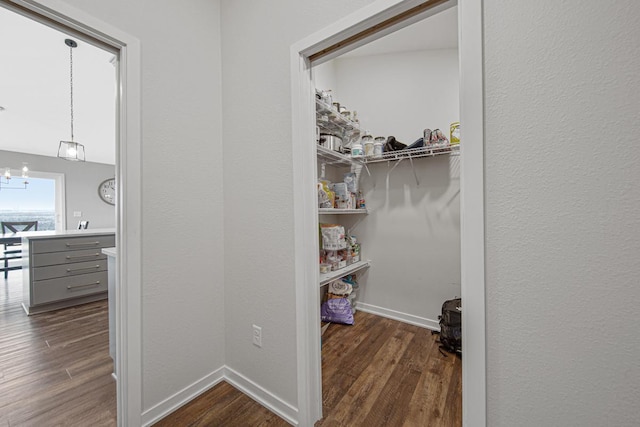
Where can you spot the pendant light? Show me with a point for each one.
(5, 181)
(71, 150)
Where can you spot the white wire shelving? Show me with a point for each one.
(334, 211)
(332, 157)
(352, 268)
(413, 153)
(329, 120)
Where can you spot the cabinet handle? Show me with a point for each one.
(69, 245)
(70, 270)
(71, 287)
(82, 256)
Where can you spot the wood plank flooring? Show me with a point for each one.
(378, 372)
(55, 368)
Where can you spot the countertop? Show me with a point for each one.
(109, 251)
(33, 235)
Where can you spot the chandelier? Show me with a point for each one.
(6, 183)
(71, 150)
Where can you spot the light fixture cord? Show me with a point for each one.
(71, 85)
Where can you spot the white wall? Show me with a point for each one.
(260, 288)
(561, 207)
(81, 181)
(182, 246)
(562, 212)
(401, 93)
(561, 216)
(324, 76)
(413, 232)
(412, 236)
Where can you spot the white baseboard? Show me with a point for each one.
(164, 408)
(423, 322)
(264, 397)
(267, 399)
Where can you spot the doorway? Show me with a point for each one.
(354, 31)
(128, 212)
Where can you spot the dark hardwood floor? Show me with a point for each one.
(378, 372)
(55, 368)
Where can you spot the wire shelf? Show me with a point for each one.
(333, 275)
(334, 211)
(335, 158)
(414, 153)
(329, 120)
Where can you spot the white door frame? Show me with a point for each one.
(471, 198)
(128, 223)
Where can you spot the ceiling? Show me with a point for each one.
(35, 91)
(439, 31)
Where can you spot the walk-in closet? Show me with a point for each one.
(388, 165)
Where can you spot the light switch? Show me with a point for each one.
(77, 214)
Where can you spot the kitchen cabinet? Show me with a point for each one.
(63, 269)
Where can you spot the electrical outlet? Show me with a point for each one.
(77, 214)
(257, 336)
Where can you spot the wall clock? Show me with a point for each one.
(107, 191)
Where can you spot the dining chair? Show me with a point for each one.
(13, 250)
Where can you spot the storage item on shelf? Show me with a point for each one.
(417, 144)
(326, 197)
(354, 246)
(344, 198)
(378, 147)
(361, 201)
(342, 257)
(353, 297)
(394, 145)
(337, 259)
(454, 133)
(331, 258)
(351, 180)
(337, 310)
(332, 142)
(333, 237)
(323, 198)
(356, 150)
(325, 268)
(340, 288)
(436, 139)
(325, 96)
(367, 145)
(332, 118)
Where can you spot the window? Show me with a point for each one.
(41, 201)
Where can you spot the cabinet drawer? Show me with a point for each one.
(53, 271)
(72, 243)
(63, 288)
(54, 258)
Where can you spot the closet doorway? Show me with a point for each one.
(86, 29)
(364, 26)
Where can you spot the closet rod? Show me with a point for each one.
(377, 28)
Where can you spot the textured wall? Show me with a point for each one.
(401, 93)
(81, 182)
(259, 274)
(182, 270)
(562, 203)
